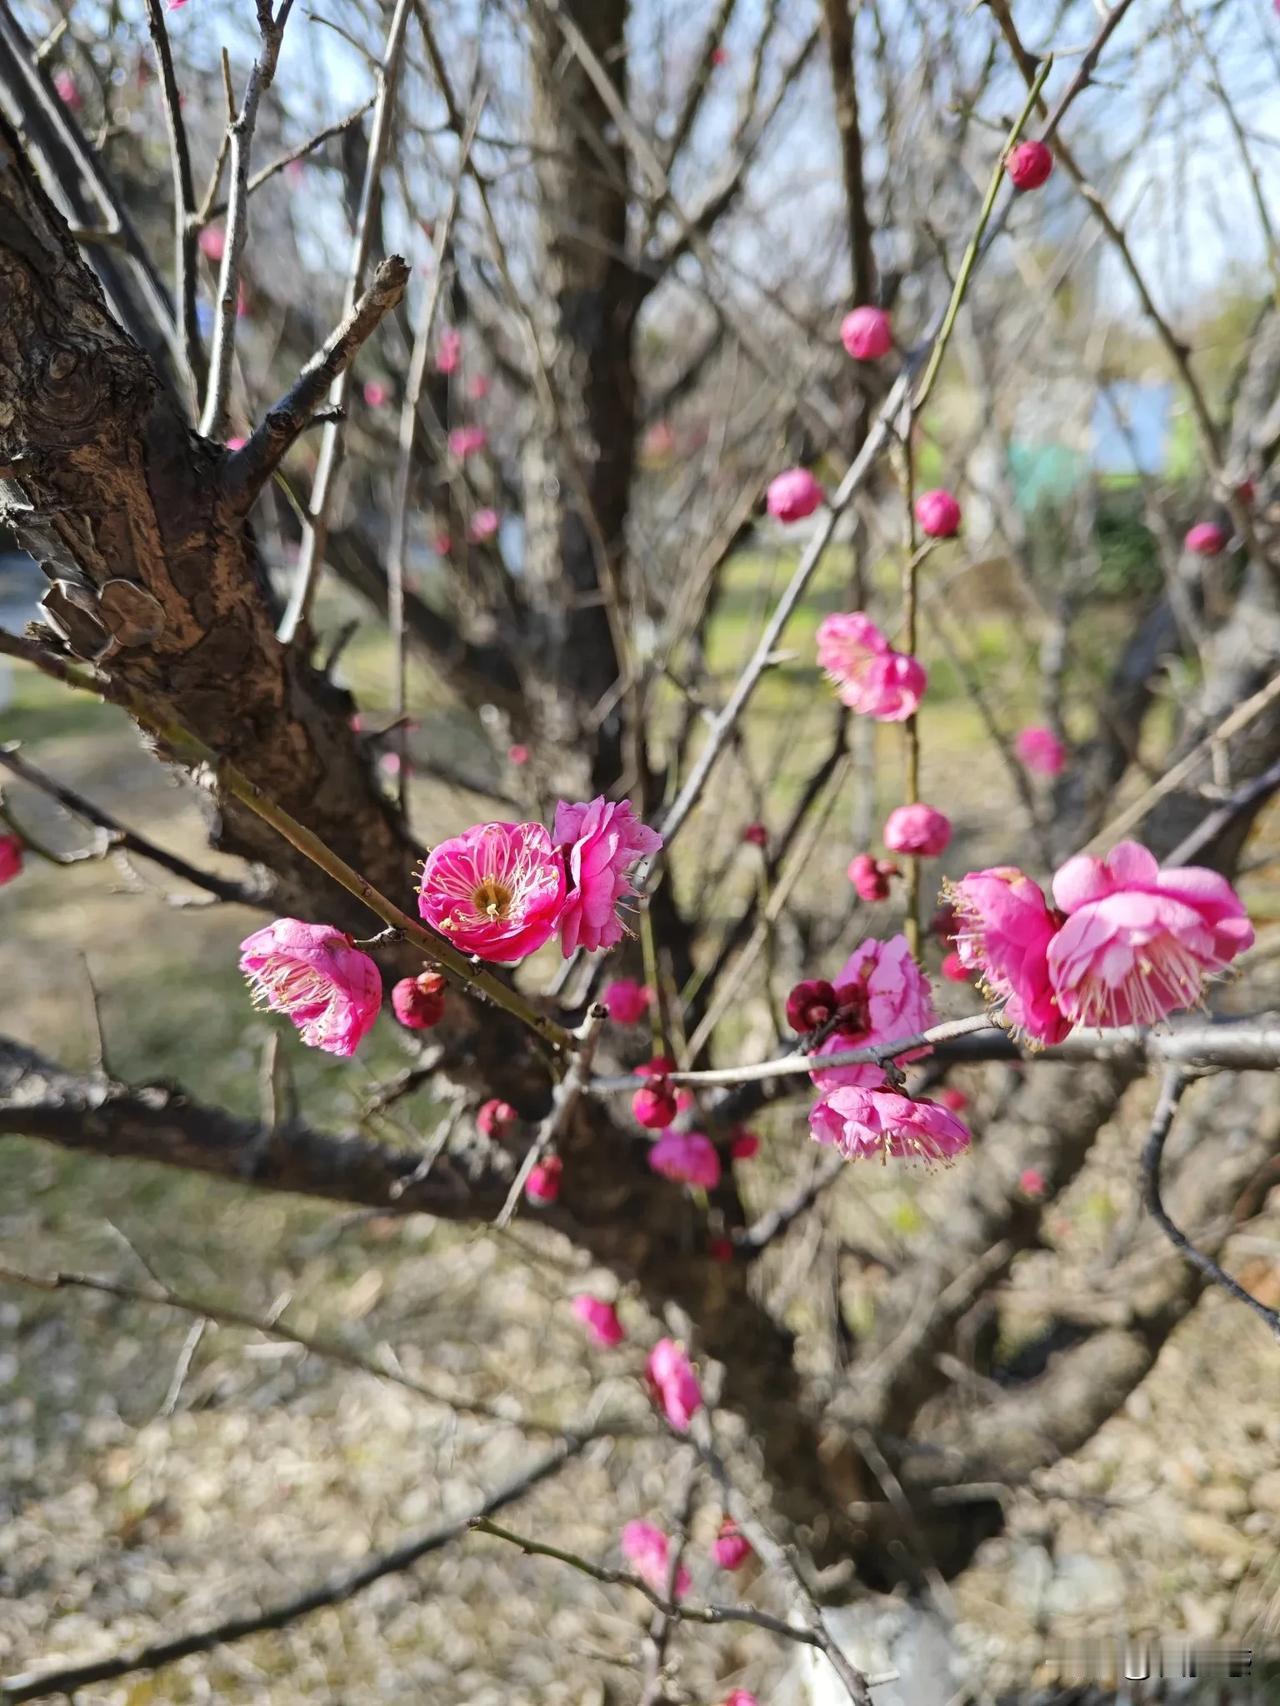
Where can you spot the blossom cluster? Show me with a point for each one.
(498, 891)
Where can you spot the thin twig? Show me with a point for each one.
(1171, 1093)
(565, 1099)
(36, 1685)
(241, 130)
(184, 203)
(332, 445)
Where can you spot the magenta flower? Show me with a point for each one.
(688, 1157)
(811, 1004)
(1139, 942)
(956, 1100)
(212, 242)
(917, 829)
(895, 1003)
(449, 354)
(496, 1118)
(376, 394)
(673, 1384)
(1041, 750)
(866, 334)
(793, 495)
(602, 841)
(860, 1123)
(496, 890)
(317, 978)
(484, 524)
(730, 1548)
(654, 1106)
(756, 835)
(10, 858)
(954, 969)
(648, 1551)
(543, 1183)
(870, 876)
(1031, 1183)
(600, 1319)
(938, 514)
(1206, 539)
(626, 1001)
(741, 1697)
(518, 753)
(743, 1144)
(467, 441)
(418, 1002)
(1028, 165)
(873, 679)
(1004, 928)
(68, 90)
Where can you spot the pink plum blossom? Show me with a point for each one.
(1041, 750)
(418, 1002)
(484, 524)
(518, 753)
(376, 394)
(600, 1319)
(1031, 1182)
(741, 1697)
(917, 829)
(873, 679)
(212, 242)
(648, 1551)
(496, 1118)
(673, 1384)
(688, 1157)
(956, 1100)
(1139, 942)
(938, 514)
(866, 333)
(743, 1144)
(1005, 926)
(10, 858)
(467, 441)
(730, 1548)
(870, 876)
(627, 1001)
(654, 1106)
(897, 1003)
(1206, 539)
(860, 1123)
(317, 977)
(954, 969)
(543, 1183)
(449, 354)
(497, 890)
(1029, 165)
(793, 495)
(237, 442)
(478, 388)
(68, 90)
(601, 841)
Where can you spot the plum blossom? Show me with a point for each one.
(872, 678)
(938, 513)
(1139, 942)
(956, 1100)
(449, 354)
(953, 968)
(895, 1003)
(1029, 165)
(1031, 1182)
(730, 1548)
(627, 1001)
(756, 835)
(811, 1004)
(496, 1118)
(870, 876)
(741, 1697)
(866, 333)
(602, 841)
(484, 524)
(212, 242)
(1041, 750)
(743, 1144)
(860, 1123)
(917, 829)
(1206, 539)
(497, 890)
(467, 441)
(376, 394)
(10, 858)
(543, 1183)
(673, 1384)
(793, 495)
(1005, 926)
(600, 1319)
(316, 976)
(418, 1002)
(688, 1157)
(648, 1551)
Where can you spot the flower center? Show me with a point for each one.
(492, 899)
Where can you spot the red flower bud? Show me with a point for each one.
(810, 1004)
(418, 1002)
